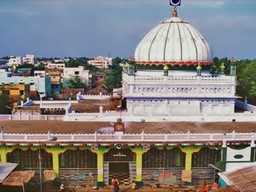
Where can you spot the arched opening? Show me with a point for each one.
(163, 165)
(78, 167)
(119, 163)
(29, 159)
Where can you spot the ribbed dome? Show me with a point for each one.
(173, 42)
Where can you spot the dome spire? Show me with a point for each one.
(174, 12)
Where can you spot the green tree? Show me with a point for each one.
(82, 61)
(246, 78)
(40, 67)
(75, 82)
(114, 78)
(5, 103)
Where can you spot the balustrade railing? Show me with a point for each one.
(142, 137)
(31, 117)
(180, 79)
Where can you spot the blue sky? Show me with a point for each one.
(77, 28)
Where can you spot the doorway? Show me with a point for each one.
(119, 171)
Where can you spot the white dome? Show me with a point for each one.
(173, 42)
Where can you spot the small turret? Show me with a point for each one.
(232, 67)
(131, 69)
(199, 69)
(213, 69)
(126, 67)
(222, 69)
(166, 68)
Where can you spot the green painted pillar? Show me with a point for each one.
(55, 151)
(189, 152)
(139, 152)
(100, 165)
(188, 165)
(224, 156)
(55, 161)
(3, 157)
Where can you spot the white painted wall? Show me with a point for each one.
(246, 153)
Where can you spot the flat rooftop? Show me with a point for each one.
(66, 127)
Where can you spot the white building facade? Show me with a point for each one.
(154, 94)
(29, 59)
(80, 72)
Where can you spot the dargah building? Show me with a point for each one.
(179, 124)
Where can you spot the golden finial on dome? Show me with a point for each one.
(174, 12)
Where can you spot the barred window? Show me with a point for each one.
(28, 159)
(78, 159)
(205, 157)
(163, 158)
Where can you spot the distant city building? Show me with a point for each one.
(3, 62)
(59, 60)
(29, 59)
(17, 91)
(55, 71)
(56, 79)
(4, 73)
(101, 62)
(59, 66)
(15, 61)
(40, 85)
(24, 71)
(80, 72)
(38, 73)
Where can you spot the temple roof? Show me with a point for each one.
(173, 42)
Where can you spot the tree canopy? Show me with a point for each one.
(75, 82)
(246, 87)
(82, 61)
(114, 77)
(246, 78)
(5, 103)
